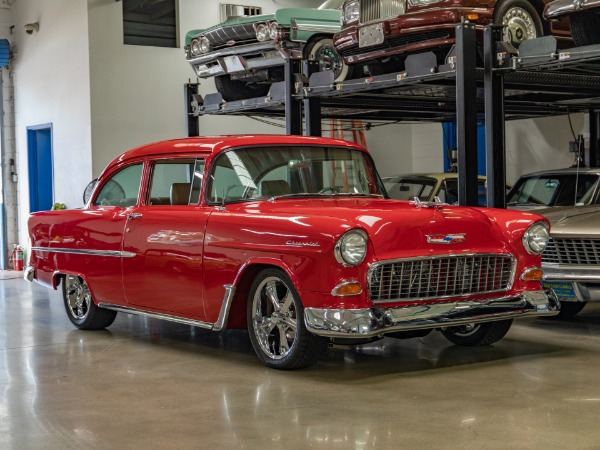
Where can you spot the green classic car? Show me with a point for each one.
(246, 54)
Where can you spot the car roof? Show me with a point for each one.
(568, 171)
(207, 145)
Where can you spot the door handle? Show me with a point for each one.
(134, 216)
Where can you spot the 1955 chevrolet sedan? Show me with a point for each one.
(292, 238)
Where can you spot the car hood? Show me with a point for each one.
(230, 23)
(579, 221)
(399, 226)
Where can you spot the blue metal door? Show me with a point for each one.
(41, 182)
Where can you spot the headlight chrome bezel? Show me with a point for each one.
(536, 237)
(262, 32)
(204, 44)
(195, 47)
(348, 256)
(350, 13)
(273, 30)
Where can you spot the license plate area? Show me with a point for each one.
(370, 35)
(564, 290)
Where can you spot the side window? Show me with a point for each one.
(197, 182)
(122, 188)
(171, 183)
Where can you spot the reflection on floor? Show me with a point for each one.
(144, 383)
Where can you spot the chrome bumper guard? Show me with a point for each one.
(232, 60)
(29, 274)
(571, 273)
(559, 8)
(376, 321)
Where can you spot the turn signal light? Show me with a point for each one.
(472, 16)
(534, 274)
(347, 288)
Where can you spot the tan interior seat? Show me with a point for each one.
(180, 193)
(273, 188)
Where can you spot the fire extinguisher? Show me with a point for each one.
(17, 257)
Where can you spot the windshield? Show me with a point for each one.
(262, 173)
(409, 188)
(553, 190)
(332, 4)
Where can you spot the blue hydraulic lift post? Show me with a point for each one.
(494, 120)
(466, 113)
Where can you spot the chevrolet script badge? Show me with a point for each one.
(446, 238)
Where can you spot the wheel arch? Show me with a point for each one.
(243, 281)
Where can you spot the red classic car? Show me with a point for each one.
(384, 31)
(292, 238)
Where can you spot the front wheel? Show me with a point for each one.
(569, 309)
(323, 52)
(80, 306)
(276, 323)
(520, 19)
(585, 28)
(473, 335)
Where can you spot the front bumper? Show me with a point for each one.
(238, 59)
(377, 321)
(559, 8)
(585, 281)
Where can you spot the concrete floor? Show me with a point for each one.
(148, 384)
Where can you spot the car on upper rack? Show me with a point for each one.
(571, 261)
(245, 55)
(428, 187)
(584, 19)
(379, 34)
(547, 190)
(292, 238)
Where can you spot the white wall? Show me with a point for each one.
(52, 86)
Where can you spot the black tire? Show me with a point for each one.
(323, 51)
(274, 310)
(522, 21)
(585, 28)
(80, 306)
(232, 90)
(477, 334)
(569, 310)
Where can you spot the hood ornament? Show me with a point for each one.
(446, 238)
(436, 204)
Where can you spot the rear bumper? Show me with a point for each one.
(559, 8)
(237, 59)
(376, 321)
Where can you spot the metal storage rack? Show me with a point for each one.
(540, 80)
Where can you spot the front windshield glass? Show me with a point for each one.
(332, 4)
(409, 188)
(553, 190)
(262, 173)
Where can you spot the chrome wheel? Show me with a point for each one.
(519, 26)
(477, 334)
(274, 318)
(78, 297)
(328, 58)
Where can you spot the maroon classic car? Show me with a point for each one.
(384, 31)
(292, 238)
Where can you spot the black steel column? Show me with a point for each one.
(495, 148)
(594, 126)
(466, 113)
(312, 105)
(293, 107)
(190, 94)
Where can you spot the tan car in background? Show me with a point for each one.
(571, 261)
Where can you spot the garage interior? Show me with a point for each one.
(145, 383)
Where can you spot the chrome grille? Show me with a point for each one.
(381, 9)
(572, 251)
(438, 277)
(241, 34)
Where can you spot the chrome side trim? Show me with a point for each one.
(377, 321)
(29, 274)
(219, 325)
(77, 251)
(559, 8)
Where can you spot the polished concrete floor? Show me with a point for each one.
(149, 384)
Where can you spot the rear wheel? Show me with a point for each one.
(276, 323)
(473, 335)
(80, 307)
(585, 28)
(520, 19)
(232, 90)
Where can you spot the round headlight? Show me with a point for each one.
(536, 238)
(351, 248)
(262, 32)
(195, 47)
(204, 45)
(273, 30)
